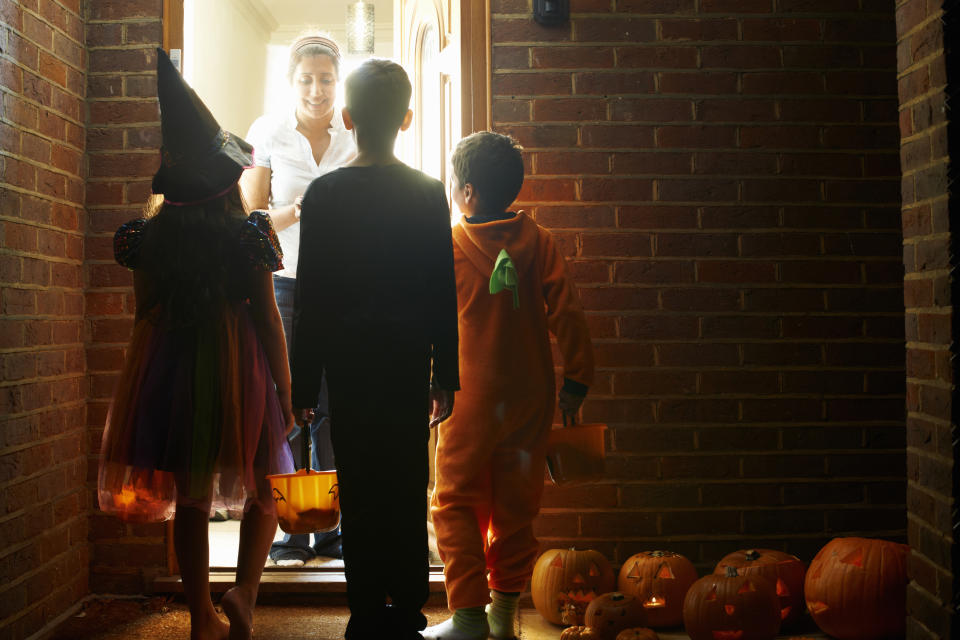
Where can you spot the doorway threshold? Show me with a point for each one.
(324, 582)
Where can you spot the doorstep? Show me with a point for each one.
(330, 584)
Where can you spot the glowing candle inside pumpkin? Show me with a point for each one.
(127, 496)
(654, 603)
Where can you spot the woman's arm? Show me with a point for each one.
(269, 327)
(255, 185)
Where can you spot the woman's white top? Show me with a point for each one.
(278, 146)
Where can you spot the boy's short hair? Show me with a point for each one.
(493, 164)
(378, 96)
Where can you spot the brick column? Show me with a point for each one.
(928, 256)
(43, 452)
(123, 137)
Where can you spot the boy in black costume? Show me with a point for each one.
(376, 307)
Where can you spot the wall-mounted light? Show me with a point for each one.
(360, 27)
(551, 12)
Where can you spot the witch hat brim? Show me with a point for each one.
(199, 160)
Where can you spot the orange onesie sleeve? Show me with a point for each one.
(565, 317)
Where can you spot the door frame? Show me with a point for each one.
(475, 103)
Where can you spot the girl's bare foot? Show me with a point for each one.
(212, 629)
(236, 603)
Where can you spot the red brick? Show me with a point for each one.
(621, 244)
(736, 110)
(736, 6)
(616, 136)
(616, 299)
(616, 28)
(573, 216)
(740, 57)
(581, 57)
(705, 355)
(652, 163)
(658, 327)
(697, 83)
(109, 165)
(738, 382)
(507, 111)
(546, 190)
(819, 110)
(780, 29)
(574, 109)
(657, 57)
(696, 136)
(696, 190)
(606, 83)
(734, 163)
(121, 60)
(780, 190)
(124, 112)
(578, 163)
(526, 84)
(732, 272)
(699, 30)
(661, 216)
(657, 6)
(616, 189)
(651, 110)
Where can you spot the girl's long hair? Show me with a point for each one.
(192, 256)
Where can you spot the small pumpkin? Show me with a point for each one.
(660, 580)
(856, 588)
(785, 571)
(611, 613)
(638, 633)
(578, 632)
(565, 581)
(732, 607)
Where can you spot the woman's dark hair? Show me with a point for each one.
(192, 255)
(310, 50)
(493, 164)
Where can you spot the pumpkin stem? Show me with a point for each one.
(657, 554)
(753, 554)
(616, 596)
(731, 572)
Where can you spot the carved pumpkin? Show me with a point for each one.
(782, 569)
(856, 588)
(565, 581)
(638, 633)
(732, 607)
(660, 580)
(611, 613)
(578, 632)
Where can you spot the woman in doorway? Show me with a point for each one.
(291, 149)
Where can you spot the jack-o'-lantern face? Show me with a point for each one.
(856, 588)
(785, 571)
(731, 607)
(659, 580)
(565, 581)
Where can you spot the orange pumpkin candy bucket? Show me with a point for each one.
(307, 501)
(575, 453)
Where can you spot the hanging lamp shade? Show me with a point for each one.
(360, 24)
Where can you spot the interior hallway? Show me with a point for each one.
(162, 619)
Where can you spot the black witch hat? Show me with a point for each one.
(200, 161)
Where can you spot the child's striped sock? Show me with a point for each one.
(501, 613)
(469, 623)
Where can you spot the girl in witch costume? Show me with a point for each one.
(202, 408)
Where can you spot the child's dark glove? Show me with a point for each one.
(569, 404)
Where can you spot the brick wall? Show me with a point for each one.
(123, 136)
(931, 464)
(43, 455)
(724, 178)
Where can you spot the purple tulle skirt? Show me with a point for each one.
(195, 413)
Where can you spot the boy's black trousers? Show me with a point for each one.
(379, 410)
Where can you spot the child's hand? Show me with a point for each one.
(441, 406)
(287, 408)
(569, 404)
(304, 417)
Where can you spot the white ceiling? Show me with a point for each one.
(323, 14)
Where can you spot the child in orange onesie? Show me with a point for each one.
(513, 290)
